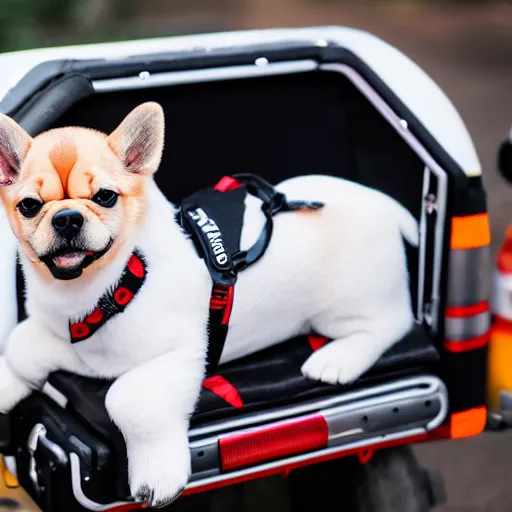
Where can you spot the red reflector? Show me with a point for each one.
(465, 345)
(273, 442)
(463, 311)
(128, 507)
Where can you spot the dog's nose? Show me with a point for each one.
(68, 223)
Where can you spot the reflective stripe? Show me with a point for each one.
(469, 278)
(464, 328)
(501, 303)
(467, 315)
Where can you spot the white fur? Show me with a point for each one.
(340, 272)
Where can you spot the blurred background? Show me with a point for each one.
(465, 45)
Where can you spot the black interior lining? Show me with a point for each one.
(276, 126)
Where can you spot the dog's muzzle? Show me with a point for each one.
(69, 261)
(68, 223)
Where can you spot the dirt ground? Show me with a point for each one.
(468, 51)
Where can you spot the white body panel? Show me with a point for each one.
(409, 82)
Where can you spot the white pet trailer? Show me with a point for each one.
(277, 103)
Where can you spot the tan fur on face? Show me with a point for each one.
(66, 167)
(63, 157)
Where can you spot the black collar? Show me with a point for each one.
(113, 301)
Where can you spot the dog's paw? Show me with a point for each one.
(339, 362)
(12, 388)
(159, 472)
(146, 495)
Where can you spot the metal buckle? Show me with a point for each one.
(36, 433)
(239, 261)
(275, 204)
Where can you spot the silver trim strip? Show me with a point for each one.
(443, 396)
(418, 392)
(469, 276)
(332, 449)
(76, 485)
(147, 80)
(442, 188)
(304, 457)
(58, 397)
(423, 245)
(394, 399)
(428, 382)
(442, 199)
(346, 433)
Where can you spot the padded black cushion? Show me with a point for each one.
(267, 379)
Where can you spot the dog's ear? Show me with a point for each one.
(14, 145)
(139, 140)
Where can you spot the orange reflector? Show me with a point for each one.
(470, 231)
(468, 423)
(273, 442)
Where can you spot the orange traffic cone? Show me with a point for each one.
(500, 346)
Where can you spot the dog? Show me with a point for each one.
(80, 202)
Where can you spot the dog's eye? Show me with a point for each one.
(29, 207)
(105, 198)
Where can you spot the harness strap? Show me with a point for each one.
(216, 215)
(221, 304)
(273, 202)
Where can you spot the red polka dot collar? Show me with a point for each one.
(114, 301)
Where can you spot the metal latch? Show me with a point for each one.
(430, 203)
(38, 436)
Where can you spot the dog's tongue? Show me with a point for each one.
(69, 260)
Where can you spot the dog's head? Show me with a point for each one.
(72, 195)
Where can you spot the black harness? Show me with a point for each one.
(213, 218)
